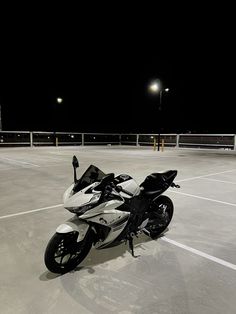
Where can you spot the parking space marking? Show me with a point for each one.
(206, 175)
(203, 198)
(200, 253)
(222, 181)
(54, 158)
(185, 247)
(30, 211)
(67, 153)
(18, 162)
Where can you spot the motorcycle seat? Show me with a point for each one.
(156, 183)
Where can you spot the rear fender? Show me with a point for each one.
(74, 224)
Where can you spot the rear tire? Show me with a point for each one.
(64, 253)
(161, 210)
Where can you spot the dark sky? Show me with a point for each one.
(101, 70)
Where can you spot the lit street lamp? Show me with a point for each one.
(56, 118)
(59, 100)
(154, 88)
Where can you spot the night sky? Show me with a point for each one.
(101, 70)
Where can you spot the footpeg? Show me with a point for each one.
(145, 231)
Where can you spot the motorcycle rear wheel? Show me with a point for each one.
(161, 209)
(63, 252)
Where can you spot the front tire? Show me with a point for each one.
(161, 212)
(63, 252)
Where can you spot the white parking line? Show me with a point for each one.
(18, 162)
(222, 181)
(185, 247)
(203, 198)
(67, 153)
(206, 175)
(30, 211)
(200, 253)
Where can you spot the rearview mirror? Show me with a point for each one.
(75, 162)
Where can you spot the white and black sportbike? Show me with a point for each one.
(108, 210)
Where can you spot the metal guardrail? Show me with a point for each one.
(207, 140)
(39, 138)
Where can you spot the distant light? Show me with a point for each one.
(72, 136)
(94, 137)
(154, 87)
(151, 136)
(167, 89)
(59, 100)
(48, 136)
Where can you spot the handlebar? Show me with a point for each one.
(120, 189)
(109, 187)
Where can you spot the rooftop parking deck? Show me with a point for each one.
(192, 269)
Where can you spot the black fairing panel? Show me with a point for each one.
(157, 183)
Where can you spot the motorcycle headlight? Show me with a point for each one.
(82, 209)
(79, 210)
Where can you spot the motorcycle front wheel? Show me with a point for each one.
(161, 212)
(63, 252)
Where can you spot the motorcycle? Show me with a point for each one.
(108, 210)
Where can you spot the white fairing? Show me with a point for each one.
(67, 193)
(78, 199)
(111, 217)
(74, 224)
(105, 214)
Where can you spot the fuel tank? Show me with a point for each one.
(128, 184)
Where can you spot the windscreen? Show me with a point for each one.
(91, 175)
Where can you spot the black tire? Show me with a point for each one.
(161, 210)
(63, 252)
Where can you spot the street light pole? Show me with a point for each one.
(159, 134)
(154, 88)
(160, 109)
(160, 116)
(56, 124)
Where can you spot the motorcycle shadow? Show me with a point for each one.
(97, 257)
(47, 275)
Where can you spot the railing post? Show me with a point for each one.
(31, 139)
(137, 138)
(119, 139)
(154, 143)
(162, 145)
(82, 139)
(177, 140)
(234, 141)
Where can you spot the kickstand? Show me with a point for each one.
(131, 246)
